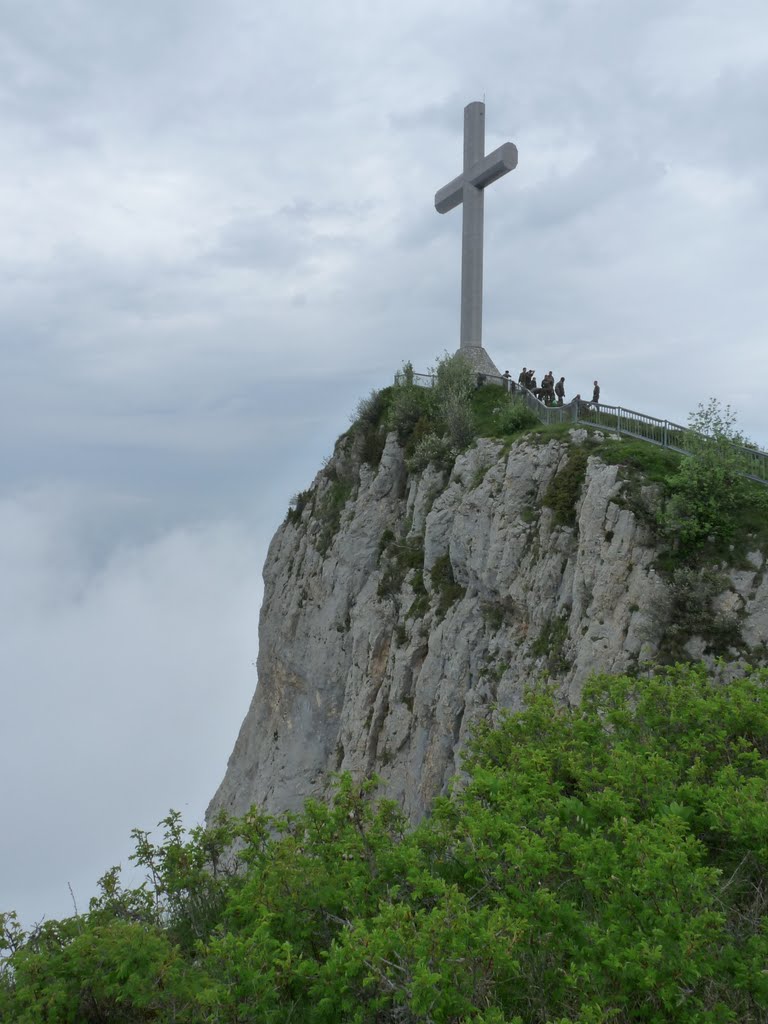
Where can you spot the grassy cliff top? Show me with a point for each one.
(706, 510)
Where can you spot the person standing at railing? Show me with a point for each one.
(507, 378)
(596, 395)
(522, 380)
(560, 390)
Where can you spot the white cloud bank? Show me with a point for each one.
(123, 682)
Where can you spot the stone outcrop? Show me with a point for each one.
(401, 608)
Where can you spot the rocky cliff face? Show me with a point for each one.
(401, 608)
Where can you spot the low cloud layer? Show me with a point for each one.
(123, 684)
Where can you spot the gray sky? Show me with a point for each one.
(219, 232)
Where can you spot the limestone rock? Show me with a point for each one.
(391, 626)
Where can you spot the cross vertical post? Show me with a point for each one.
(467, 189)
(472, 230)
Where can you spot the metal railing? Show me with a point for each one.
(612, 418)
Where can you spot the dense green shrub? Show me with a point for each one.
(444, 411)
(514, 415)
(605, 862)
(434, 449)
(409, 405)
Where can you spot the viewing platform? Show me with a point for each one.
(612, 418)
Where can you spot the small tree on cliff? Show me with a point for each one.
(710, 485)
(454, 384)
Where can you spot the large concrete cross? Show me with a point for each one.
(479, 171)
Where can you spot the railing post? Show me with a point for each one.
(664, 438)
(618, 419)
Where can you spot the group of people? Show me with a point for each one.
(550, 392)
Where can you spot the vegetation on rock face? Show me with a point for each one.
(694, 612)
(562, 495)
(607, 862)
(432, 449)
(710, 516)
(497, 413)
(709, 488)
(455, 383)
(550, 643)
(445, 585)
(434, 424)
(706, 516)
(368, 426)
(706, 511)
(328, 509)
(297, 505)
(398, 557)
(706, 500)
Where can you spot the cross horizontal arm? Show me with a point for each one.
(449, 195)
(493, 166)
(483, 173)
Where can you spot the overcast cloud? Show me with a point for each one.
(219, 232)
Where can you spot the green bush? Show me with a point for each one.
(459, 423)
(453, 389)
(409, 404)
(411, 409)
(514, 415)
(432, 448)
(709, 486)
(605, 862)
(444, 411)
(693, 590)
(454, 378)
(369, 425)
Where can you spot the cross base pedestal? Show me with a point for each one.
(479, 360)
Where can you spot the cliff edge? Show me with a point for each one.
(402, 606)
